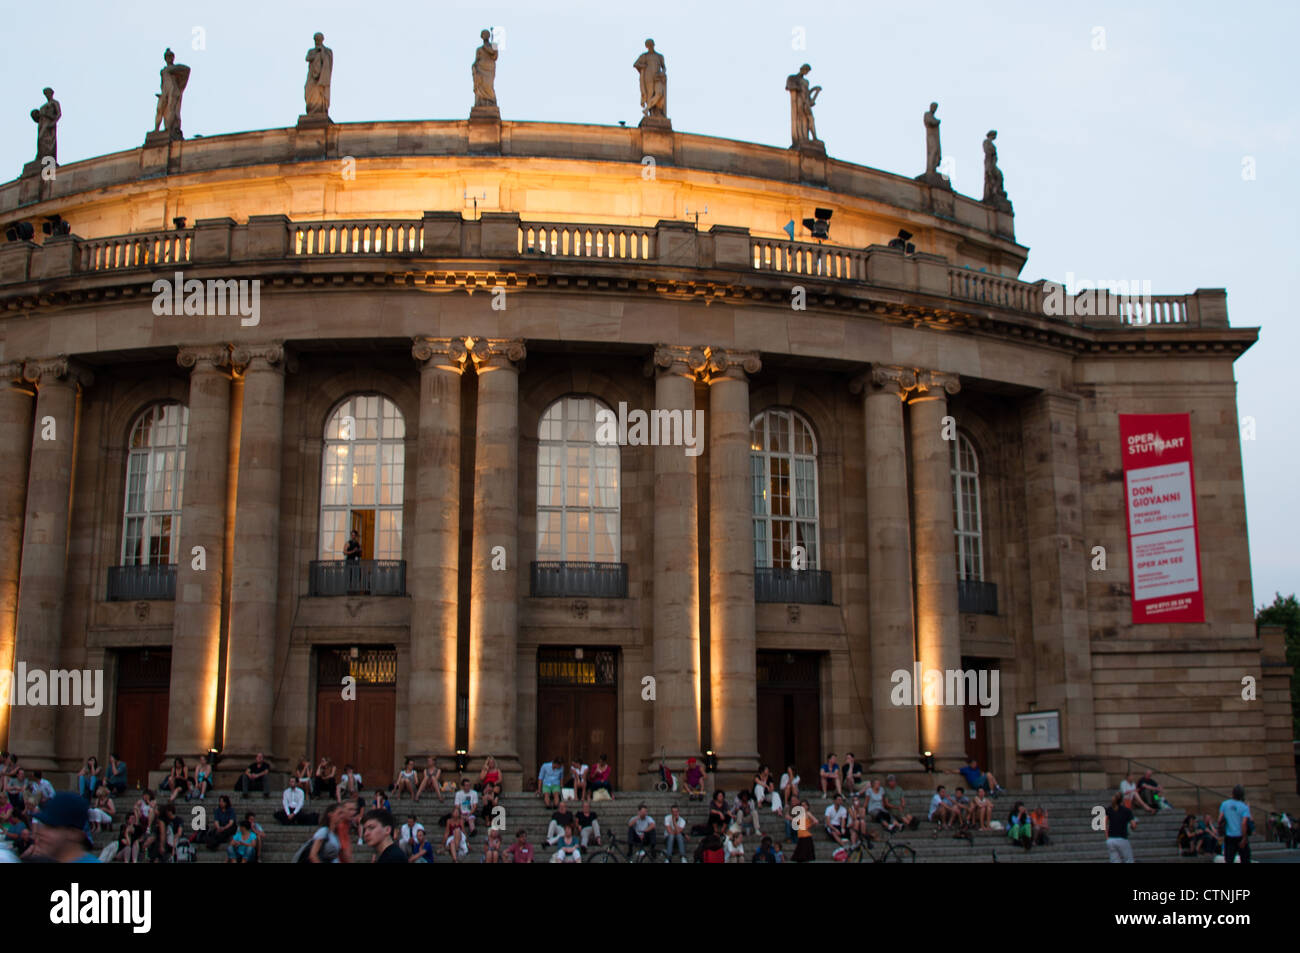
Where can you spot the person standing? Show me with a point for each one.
(1235, 819)
(1119, 821)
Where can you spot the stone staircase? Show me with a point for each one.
(1073, 839)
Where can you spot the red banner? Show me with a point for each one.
(1160, 497)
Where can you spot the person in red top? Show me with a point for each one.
(521, 852)
(601, 776)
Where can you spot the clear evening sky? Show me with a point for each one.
(1123, 163)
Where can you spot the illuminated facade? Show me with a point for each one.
(904, 458)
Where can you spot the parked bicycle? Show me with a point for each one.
(888, 852)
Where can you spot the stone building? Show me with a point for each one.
(904, 457)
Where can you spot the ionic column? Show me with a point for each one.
(495, 592)
(676, 567)
(732, 643)
(434, 572)
(938, 634)
(16, 400)
(889, 565)
(196, 625)
(250, 654)
(43, 572)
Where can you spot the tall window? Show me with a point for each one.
(362, 478)
(577, 486)
(155, 479)
(966, 509)
(783, 463)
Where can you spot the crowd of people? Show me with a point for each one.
(754, 825)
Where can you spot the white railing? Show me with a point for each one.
(995, 290)
(627, 243)
(800, 258)
(357, 238)
(135, 251)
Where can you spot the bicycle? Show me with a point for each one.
(891, 853)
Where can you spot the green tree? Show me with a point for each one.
(1286, 613)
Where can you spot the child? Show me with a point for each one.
(767, 853)
(733, 848)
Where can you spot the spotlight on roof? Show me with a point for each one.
(178, 222)
(55, 225)
(902, 243)
(820, 225)
(20, 232)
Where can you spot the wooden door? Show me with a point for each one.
(975, 727)
(577, 705)
(789, 712)
(140, 720)
(363, 522)
(358, 731)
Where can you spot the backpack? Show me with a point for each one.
(184, 853)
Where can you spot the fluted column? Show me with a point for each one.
(434, 572)
(495, 592)
(196, 625)
(43, 571)
(250, 655)
(938, 635)
(16, 404)
(889, 565)
(676, 567)
(732, 644)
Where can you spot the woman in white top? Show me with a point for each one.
(406, 781)
(349, 783)
(579, 779)
(789, 785)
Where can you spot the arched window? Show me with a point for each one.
(966, 509)
(577, 486)
(155, 479)
(783, 463)
(362, 478)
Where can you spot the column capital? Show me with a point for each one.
(885, 378)
(496, 352)
(930, 383)
(57, 368)
(11, 371)
(675, 360)
(448, 354)
(268, 355)
(214, 355)
(721, 363)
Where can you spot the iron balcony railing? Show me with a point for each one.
(976, 596)
(361, 577)
(596, 580)
(806, 586)
(126, 583)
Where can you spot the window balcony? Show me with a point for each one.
(805, 586)
(594, 580)
(362, 577)
(136, 583)
(976, 596)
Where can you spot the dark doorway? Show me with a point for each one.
(358, 731)
(577, 705)
(789, 713)
(140, 720)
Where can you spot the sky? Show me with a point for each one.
(1138, 140)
